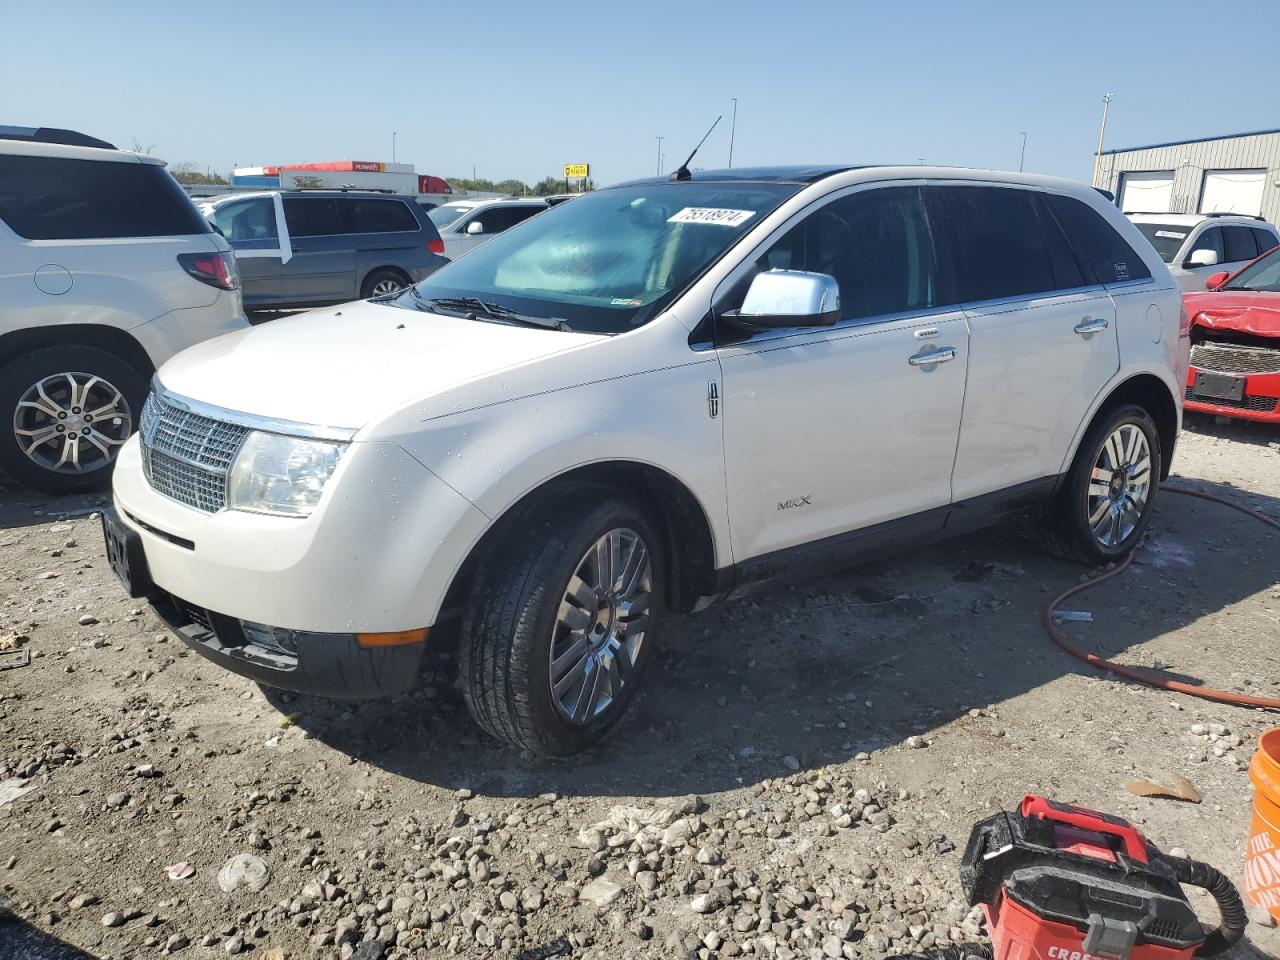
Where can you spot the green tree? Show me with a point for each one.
(188, 173)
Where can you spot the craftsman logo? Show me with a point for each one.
(795, 502)
(1066, 953)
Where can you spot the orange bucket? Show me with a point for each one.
(1262, 858)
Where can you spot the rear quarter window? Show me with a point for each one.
(380, 216)
(55, 198)
(1265, 238)
(1095, 240)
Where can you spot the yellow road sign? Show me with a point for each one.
(577, 169)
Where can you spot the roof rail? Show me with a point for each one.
(1223, 213)
(68, 138)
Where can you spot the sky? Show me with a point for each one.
(517, 89)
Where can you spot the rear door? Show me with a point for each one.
(323, 266)
(387, 234)
(1042, 334)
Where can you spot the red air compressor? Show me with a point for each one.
(1059, 882)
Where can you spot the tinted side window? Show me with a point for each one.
(521, 214)
(51, 198)
(1106, 252)
(1266, 239)
(1211, 239)
(875, 243)
(1068, 272)
(996, 241)
(1239, 243)
(244, 221)
(312, 216)
(380, 216)
(497, 219)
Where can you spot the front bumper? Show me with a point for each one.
(323, 664)
(1261, 399)
(376, 556)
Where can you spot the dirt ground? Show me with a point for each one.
(798, 780)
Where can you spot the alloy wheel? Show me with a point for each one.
(601, 625)
(72, 422)
(386, 287)
(1119, 485)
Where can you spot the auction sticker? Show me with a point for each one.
(716, 215)
(1171, 234)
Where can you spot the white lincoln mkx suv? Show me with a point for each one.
(639, 400)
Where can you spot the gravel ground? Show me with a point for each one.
(798, 781)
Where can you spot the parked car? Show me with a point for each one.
(1235, 342)
(640, 400)
(1195, 245)
(317, 247)
(106, 270)
(465, 224)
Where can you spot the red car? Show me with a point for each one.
(1235, 342)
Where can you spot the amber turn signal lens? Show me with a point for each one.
(396, 638)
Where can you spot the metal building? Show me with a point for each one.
(1238, 173)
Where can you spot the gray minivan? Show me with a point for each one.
(316, 247)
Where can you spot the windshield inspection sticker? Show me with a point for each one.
(1171, 234)
(723, 218)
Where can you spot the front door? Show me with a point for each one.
(831, 430)
(251, 227)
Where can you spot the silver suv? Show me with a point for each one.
(465, 224)
(106, 271)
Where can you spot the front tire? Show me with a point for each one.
(561, 622)
(1104, 504)
(64, 414)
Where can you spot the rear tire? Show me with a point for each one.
(99, 407)
(382, 283)
(537, 629)
(1104, 503)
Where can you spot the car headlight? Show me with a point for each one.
(281, 475)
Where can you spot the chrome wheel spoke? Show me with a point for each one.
(601, 625)
(1119, 485)
(589, 693)
(87, 414)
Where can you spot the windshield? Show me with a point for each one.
(1167, 238)
(445, 215)
(1263, 274)
(612, 259)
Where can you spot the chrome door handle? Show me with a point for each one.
(935, 356)
(1092, 325)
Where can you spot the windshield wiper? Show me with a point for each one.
(1234, 287)
(473, 306)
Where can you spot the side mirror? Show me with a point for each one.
(475, 228)
(1216, 280)
(1202, 258)
(788, 298)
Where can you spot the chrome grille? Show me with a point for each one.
(1233, 358)
(186, 456)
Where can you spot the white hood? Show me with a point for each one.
(346, 366)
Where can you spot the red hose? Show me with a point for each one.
(1141, 674)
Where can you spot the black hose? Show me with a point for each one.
(1230, 906)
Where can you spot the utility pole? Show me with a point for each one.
(1023, 159)
(1102, 133)
(660, 139)
(733, 128)
(393, 146)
